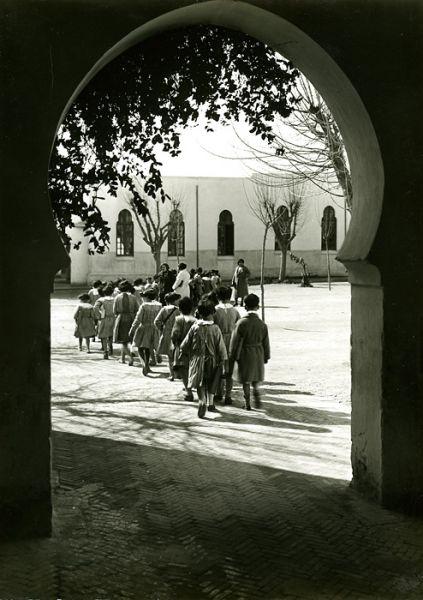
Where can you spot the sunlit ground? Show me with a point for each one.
(304, 425)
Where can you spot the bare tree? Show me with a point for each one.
(289, 211)
(153, 223)
(305, 279)
(308, 146)
(278, 208)
(161, 219)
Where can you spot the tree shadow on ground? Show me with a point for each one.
(275, 403)
(135, 521)
(279, 411)
(304, 414)
(143, 424)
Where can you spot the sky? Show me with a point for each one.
(199, 149)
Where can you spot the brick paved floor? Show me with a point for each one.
(152, 503)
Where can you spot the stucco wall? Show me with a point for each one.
(215, 194)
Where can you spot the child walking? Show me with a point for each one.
(143, 331)
(164, 323)
(207, 354)
(124, 308)
(181, 326)
(85, 321)
(94, 292)
(250, 347)
(226, 317)
(106, 319)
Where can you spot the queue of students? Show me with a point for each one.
(202, 337)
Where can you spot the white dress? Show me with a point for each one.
(181, 285)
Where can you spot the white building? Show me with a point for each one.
(218, 228)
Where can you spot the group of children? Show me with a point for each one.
(202, 338)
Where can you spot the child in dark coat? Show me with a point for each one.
(207, 355)
(250, 348)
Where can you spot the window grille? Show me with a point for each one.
(225, 234)
(124, 234)
(176, 234)
(328, 231)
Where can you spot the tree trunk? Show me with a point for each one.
(157, 257)
(282, 268)
(328, 263)
(263, 254)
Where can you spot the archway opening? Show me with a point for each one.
(344, 102)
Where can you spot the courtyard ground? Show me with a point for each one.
(152, 503)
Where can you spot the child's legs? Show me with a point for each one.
(256, 394)
(87, 341)
(103, 344)
(201, 401)
(246, 388)
(256, 388)
(80, 343)
(124, 351)
(110, 344)
(184, 374)
(213, 379)
(228, 385)
(201, 394)
(170, 358)
(207, 378)
(220, 385)
(209, 393)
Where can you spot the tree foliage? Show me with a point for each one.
(139, 104)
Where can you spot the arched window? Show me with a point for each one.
(124, 234)
(176, 234)
(225, 234)
(329, 229)
(282, 227)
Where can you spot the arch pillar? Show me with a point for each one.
(31, 255)
(366, 377)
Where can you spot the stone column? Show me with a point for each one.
(31, 254)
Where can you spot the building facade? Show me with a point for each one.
(212, 227)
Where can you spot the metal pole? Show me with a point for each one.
(197, 226)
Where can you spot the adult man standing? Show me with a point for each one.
(181, 285)
(240, 281)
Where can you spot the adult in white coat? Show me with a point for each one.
(181, 285)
